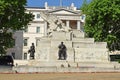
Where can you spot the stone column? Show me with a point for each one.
(78, 25)
(45, 29)
(68, 23)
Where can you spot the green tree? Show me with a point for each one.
(103, 21)
(12, 17)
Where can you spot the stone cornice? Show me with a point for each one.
(69, 17)
(72, 11)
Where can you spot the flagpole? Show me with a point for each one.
(60, 2)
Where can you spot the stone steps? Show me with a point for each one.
(65, 66)
(63, 63)
(37, 69)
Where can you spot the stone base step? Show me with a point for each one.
(63, 63)
(65, 66)
(36, 69)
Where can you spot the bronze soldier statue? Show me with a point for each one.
(62, 52)
(32, 51)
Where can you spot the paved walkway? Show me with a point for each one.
(61, 76)
(5, 68)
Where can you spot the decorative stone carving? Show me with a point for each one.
(55, 24)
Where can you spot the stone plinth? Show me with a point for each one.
(91, 54)
(79, 48)
(61, 35)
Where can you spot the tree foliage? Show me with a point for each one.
(103, 21)
(12, 17)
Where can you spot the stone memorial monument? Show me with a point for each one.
(64, 47)
(79, 48)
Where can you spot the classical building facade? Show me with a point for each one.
(70, 16)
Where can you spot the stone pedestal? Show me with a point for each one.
(79, 48)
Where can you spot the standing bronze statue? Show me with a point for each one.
(32, 51)
(62, 52)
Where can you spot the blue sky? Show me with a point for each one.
(40, 3)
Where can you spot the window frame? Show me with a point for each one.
(25, 55)
(38, 16)
(38, 29)
(25, 43)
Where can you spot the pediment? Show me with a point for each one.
(63, 11)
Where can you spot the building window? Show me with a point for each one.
(25, 56)
(25, 42)
(38, 16)
(37, 29)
